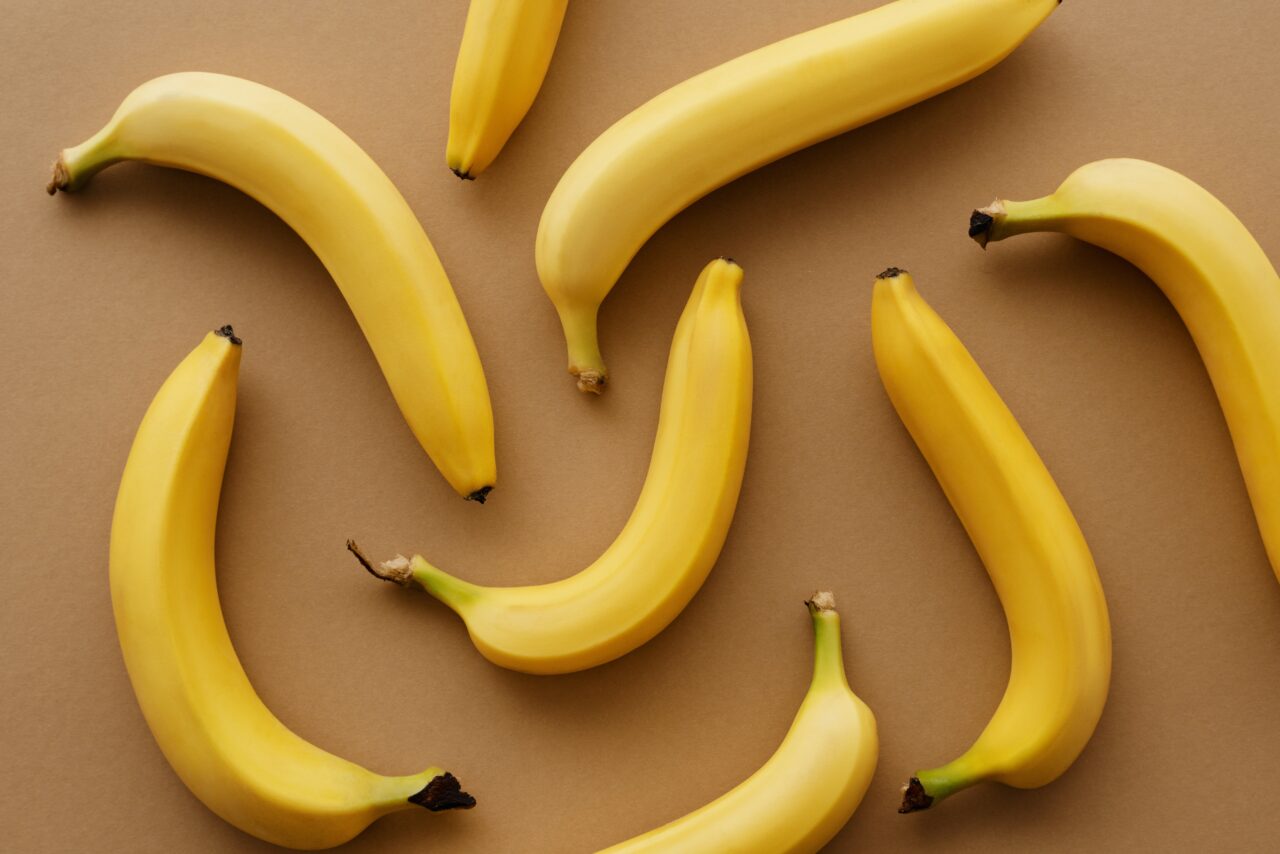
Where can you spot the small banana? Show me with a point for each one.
(1025, 534)
(315, 178)
(232, 753)
(506, 49)
(808, 789)
(675, 533)
(734, 118)
(1214, 273)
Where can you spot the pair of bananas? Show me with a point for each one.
(252, 771)
(1228, 294)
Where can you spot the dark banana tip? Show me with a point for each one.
(228, 333)
(480, 495)
(891, 273)
(914, 797)
(980, 225)
(466, 176)
(444, 792)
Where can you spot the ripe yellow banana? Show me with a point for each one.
(315, 178)
(1025, 534)
(1214, 273)
(228, 748)
(506, 49)
(808, 789)
(675, 533)
(734, 118)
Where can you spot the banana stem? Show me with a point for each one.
(928, 787)
(75, 166)
(1003, 218)
(828, 658)
(585, 361)
(400, 570)
(390, 571)
(453, 592)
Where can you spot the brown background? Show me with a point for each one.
(104, 293)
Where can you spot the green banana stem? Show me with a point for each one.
(585, 361)
(453, 592)
(928, 787)
(1003, 219)
(75, 166)
(828, 659)
(400, 570)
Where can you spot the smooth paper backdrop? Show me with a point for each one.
(105, 291)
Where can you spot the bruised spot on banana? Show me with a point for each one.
(505, 52)
(1213, 271)
(1027, 537)
(225, 745)
(328, 190)
(811, 786)
(675, 533)
(736, 117)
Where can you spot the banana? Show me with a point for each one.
(1214, 273)
(315, 178)
(232, 753)
(808, 789)
(734, 118)
(675, 533)
(506, 49)
(1025, 534)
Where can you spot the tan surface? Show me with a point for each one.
(105, 292)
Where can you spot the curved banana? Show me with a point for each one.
(506, 50)
(734, 118)
(315, 178)
(1025, 534)
(228, 748)
(1214, 273)
(808, 789)
(675, 533)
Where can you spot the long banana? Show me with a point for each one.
(1025, 534)
(228, 748)
(808, 789)
(315, 178)
(506, 50)
(675, 533)
(1214, 273)
(734, 118)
